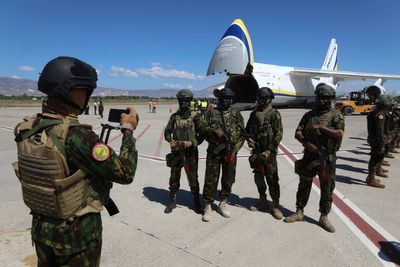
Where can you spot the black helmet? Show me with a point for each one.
(224, 93)
(325, 91)
(184, 93)
(265, 92)
(62, 74)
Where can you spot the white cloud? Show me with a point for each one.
(156, 72)
(26, 68)
(177, 86)
(16, 77)
(98, 71)
(116, 71)
(155, 64)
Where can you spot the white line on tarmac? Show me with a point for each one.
(370, 233)
(7, 128)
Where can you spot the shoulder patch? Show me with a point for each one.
(101, 152)
(380, 117)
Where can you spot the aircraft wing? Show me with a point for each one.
(341, 75)
(216, 86)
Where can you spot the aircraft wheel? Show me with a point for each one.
(347, 111)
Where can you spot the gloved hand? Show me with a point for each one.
(173, 145)
(312, 148)
(184, 144)
(264, 155)
(129, 121)
(218, 133)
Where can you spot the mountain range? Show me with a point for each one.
(17, 86)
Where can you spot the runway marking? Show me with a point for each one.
(7, 128)
(159, 145)
(142, 133)
(371, 234)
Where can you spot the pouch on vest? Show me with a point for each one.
(48, 187)
(174, 160)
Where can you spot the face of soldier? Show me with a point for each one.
(225, 102)
(78, 96)
(323, 103)
(184, 103)
(263, 102)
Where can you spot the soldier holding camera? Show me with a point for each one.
(182, 133)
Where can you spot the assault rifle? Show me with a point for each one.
(254, 159)
(322, 161)
(109, 204)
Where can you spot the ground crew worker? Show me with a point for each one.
(101, 108)
(66, 204)
(225, 135)
(95, 104)
(378, 130)
(265, 130)
(181, 132)
(203, 107)
(320, 131)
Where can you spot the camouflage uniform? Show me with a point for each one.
(265, 128)
(232, 124)
(320, 131)
(332, 119)
(76, 240)
(184, 126)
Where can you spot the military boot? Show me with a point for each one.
(261, 204)
(372, 181)
(385, 163)
(325, 224)
(295, 217)
(276, 211)
(207, 213)
(223, 210)
(171, 204)
(196, 203)
(381, 173)
(388, 155)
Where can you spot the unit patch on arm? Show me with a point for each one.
(380, 117)
(100, 152)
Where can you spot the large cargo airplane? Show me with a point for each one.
(292, 86)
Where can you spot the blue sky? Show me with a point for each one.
(168, 44)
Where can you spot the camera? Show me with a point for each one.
(115, 114)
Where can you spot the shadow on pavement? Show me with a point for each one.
(351, 168)
(352, 159)
(348, 180)
(390, 251)
(183, 197)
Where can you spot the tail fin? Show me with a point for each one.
(330, 62)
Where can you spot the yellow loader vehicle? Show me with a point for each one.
(358, 102)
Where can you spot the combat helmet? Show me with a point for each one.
(324, 90)
(184, 93)
(224, 93)
(386, 100)
(265, 92)
(62, 74)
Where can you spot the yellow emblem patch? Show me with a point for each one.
(101, 152)
(380, 117)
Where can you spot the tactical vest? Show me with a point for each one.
(184, 129)
(264, 132)
(48, 187)
(228, 120)
(331, 145)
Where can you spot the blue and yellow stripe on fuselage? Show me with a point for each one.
(239, 30)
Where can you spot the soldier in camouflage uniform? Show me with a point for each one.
(225, 135)
(70, 237)
(182, 133)
(320, 131)
(265, 130)
(378, 131)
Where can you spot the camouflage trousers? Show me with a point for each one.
(190, 167)
(377, 155)
(49, 257)
(327, 179)
(214, 164)
(268, 176)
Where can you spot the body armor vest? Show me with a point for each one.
(48, 187)
(264, 132)
(184, 129)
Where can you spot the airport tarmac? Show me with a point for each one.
(366, 219)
